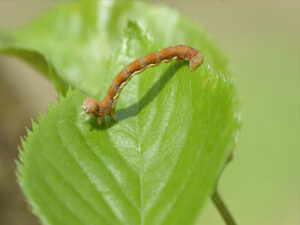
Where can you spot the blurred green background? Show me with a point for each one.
(262, 42)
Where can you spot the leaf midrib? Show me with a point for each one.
(141, 173)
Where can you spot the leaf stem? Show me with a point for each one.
(222, 208)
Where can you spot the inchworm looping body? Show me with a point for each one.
(108, 103)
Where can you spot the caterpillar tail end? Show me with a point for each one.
(196, 61)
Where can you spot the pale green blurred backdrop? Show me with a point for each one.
(262, 42)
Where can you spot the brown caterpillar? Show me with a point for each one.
(108, 103)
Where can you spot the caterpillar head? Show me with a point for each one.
(96, 109)
(90, 106)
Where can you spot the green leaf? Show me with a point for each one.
(82, 40)
(176, 128)
(155, 166)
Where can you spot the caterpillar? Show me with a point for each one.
(108, 104)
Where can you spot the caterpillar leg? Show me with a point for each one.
(87, 118)
(113, 114)
(99, 120)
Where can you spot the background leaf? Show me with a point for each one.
(175, 129)
(81, 39)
